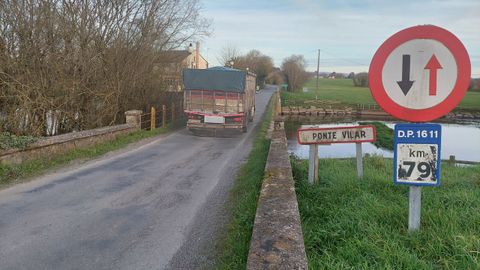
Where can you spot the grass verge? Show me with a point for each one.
(14, 174)
(340, 93)
(352, 224)
(232, 249)
(384, 135)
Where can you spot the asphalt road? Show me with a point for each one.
(155, 207)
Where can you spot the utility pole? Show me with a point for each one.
(318, 66)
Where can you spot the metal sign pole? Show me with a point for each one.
(359, 160)
(313, 164)
(414, 208)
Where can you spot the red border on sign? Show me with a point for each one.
(451, 42)
(336, 128)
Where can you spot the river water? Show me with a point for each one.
(461, 140)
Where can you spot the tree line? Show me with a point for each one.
(292, 71)
(74, 65)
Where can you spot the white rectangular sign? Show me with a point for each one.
(214, 119)
(417, 163)
(353, 134)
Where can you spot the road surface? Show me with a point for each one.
(155, 207)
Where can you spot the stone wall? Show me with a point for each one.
(277, 238)
(55, 145)
(366, 112)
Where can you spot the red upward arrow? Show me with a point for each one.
(433, 65)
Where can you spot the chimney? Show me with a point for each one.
(190, 48)
(197, 55)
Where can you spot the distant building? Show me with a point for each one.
(174, 61)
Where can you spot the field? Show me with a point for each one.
(352, 224)
(340, 93)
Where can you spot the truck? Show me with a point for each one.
(218, 100)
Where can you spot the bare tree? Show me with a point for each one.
(72, 64)
(293, 68)
(227, 54)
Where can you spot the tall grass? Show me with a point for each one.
(362, 224)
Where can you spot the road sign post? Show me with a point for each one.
(316, 136)
(358, 148)
(414, 207)
(313, 164)
(416, 162)
(419, 74)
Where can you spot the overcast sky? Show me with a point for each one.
(348, 32)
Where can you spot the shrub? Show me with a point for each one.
(10, 141)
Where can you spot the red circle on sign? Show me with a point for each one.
(456, 48)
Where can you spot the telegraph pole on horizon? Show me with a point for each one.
(318, 66)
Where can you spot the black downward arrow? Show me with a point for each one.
(405, 84)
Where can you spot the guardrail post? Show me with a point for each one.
(164, 116)
(152, 118)
(173, 112)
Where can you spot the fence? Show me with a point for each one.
(162, 116)
(368, 107)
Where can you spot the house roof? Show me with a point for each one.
(175, 56)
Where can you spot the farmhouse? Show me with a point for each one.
(174, 61)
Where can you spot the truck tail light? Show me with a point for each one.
(194, 116)
(237, 119)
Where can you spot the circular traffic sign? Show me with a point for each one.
(420, 73)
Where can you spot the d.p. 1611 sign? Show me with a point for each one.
(417, 154)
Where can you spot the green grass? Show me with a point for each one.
(471, 102)
(232, 248)
(352, 224)
(13, 174)
(340, 93)
(384, 135)
(334, 93)
(11, 141)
